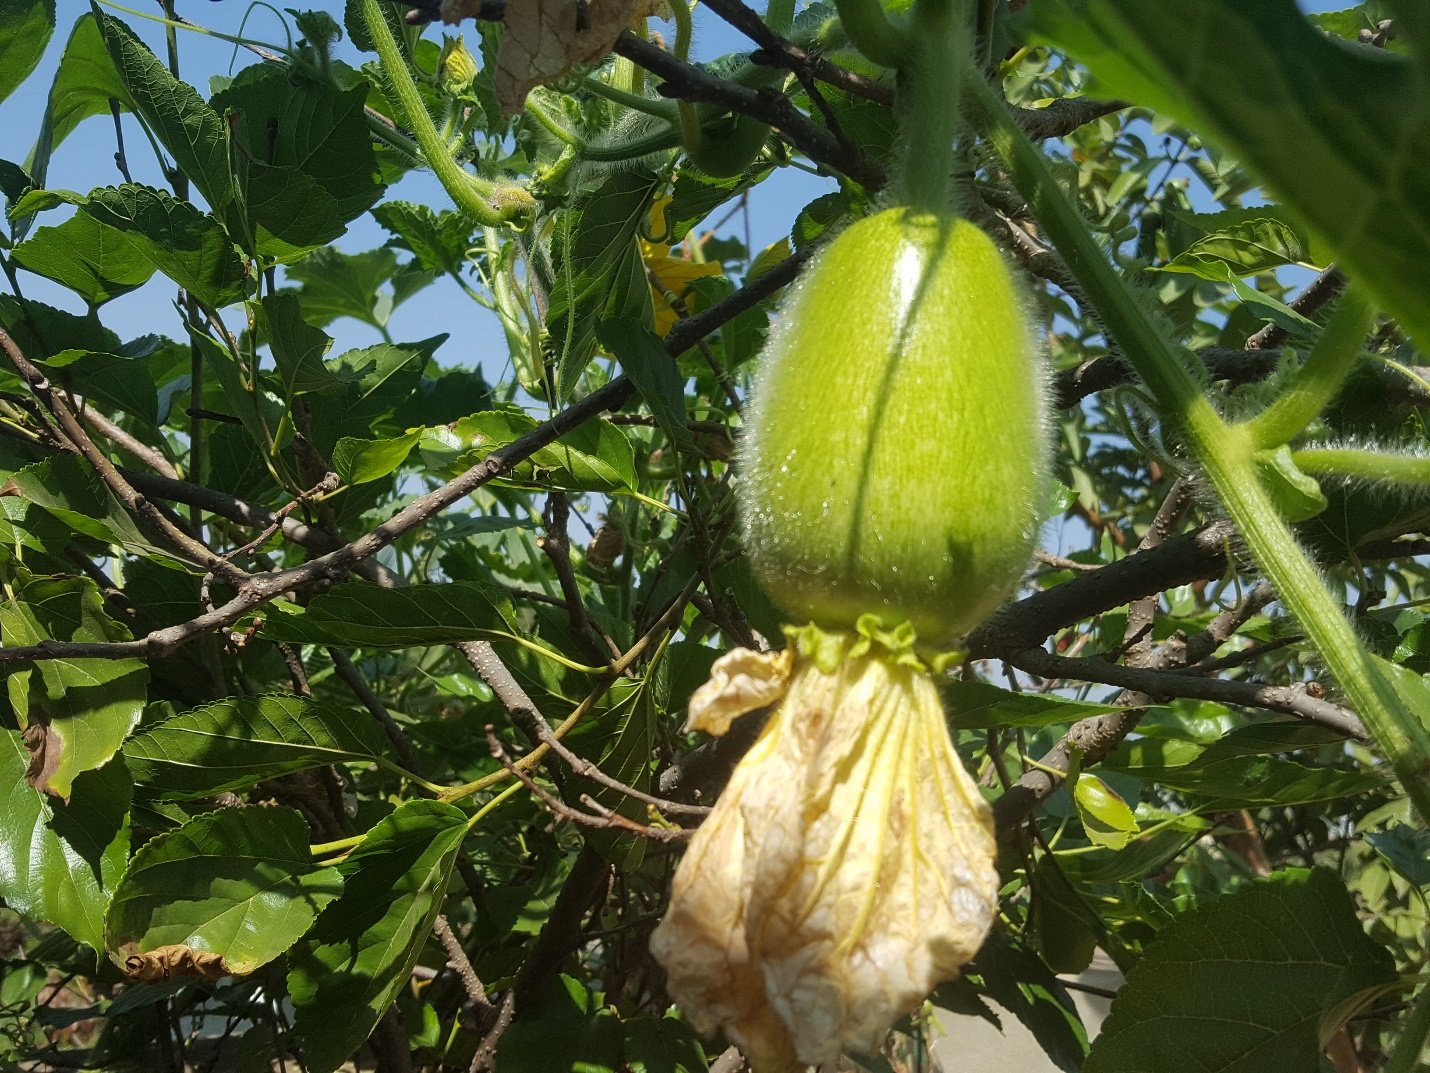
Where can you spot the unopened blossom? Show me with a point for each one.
(846, 870)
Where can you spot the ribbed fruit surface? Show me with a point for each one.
(894, 452)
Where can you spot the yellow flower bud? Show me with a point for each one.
(846, 870)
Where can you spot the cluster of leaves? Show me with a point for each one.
(344, 693)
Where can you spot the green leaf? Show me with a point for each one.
(1406, 848)
(1297, 495)
(59, 861)
(1251, 240)
(594, 457)
(68, 487)
(75, 712)
(438, 241)
(122, 380)
(25, 29)
(191, 131)
(297, 346)
(239, 883)
(1340, 133)
(95, 261)
(980, 706)
(361, 951)
(304, 157)
(337, 284)
(816, 218)
(596, 270)
(174, 237)
(84, 84)
(1261, 965)
(360, 461)
(235, 743)
(362, 613)
(654, 372)
(1105, 817)
(1261, 304)
(1019, 981)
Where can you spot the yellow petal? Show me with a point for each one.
(845, 872)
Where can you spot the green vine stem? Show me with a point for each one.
(940, 44)
(870, 31)
(1380, 466)
(487, 202)
(1226, 452)
(1316, 382)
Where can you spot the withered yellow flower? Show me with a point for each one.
(846, 870)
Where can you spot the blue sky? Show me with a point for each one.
(85, 160)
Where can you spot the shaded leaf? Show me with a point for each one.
(1406, 848)
(235, 743)
(980, 706)
(174, 237)
(1261, 964)
(298, 347)
(191, 131)
(596, 272)
(362, 613)
(337, 284)
(654, 372)
(239, 884)
(1019, 981)
(361, 951)
(59, 861)
(439, 241)
(307, 163)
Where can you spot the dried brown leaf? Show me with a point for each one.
(168, 962)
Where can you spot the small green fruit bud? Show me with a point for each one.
(895, 452)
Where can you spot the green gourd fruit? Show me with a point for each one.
(895, 447)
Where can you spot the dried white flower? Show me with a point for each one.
(846, 870)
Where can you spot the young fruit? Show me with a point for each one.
(894, 453)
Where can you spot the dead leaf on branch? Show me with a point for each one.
(545, 39)
(168, 962)
(44, 747)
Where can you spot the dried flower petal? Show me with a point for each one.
(846, 871)
(740, 682)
